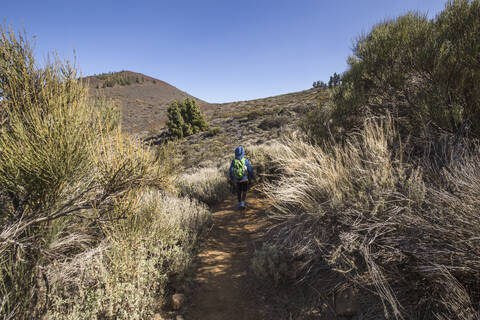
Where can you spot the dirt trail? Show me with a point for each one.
(222, 276)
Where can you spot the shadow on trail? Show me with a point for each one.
(221, 290)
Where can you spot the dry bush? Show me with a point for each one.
(212, 185)
(125, 275)
(262, 159)
(361, 213)
(68, 176)
(209, 185)
(268, 265)
(276, 121)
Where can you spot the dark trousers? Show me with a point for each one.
(242, 188)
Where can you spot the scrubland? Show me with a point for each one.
(363, 215)
(373, 185)
(91, 226)
(378, 195)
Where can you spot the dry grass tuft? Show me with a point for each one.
(262, 159)
(208, 185)
(212, 185)
(125, 275)
(373, 218)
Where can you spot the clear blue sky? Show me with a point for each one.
(216, 50)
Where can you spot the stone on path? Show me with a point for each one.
(177, 301)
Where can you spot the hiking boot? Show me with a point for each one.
(242, 205)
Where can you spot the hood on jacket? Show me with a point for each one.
(239, 153)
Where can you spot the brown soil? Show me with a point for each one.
(253, 122)
(222, 278)
(144, 104)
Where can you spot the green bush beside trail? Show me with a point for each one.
(425, 73)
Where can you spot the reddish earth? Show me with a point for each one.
(222, 284)
(143, 101)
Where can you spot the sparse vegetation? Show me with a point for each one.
(121, 78)
(242, 127)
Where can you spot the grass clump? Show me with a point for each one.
(209, 185)
(213, 131)
(262, 158)
(375, 219)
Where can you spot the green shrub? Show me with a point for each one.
(175, 122)
(185, 119)
(66, 171)
(424, 72)
(213, 131)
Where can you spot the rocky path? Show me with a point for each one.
(222, 278)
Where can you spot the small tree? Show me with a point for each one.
(335, 80)
(319, 84)
(194, 116)
(175, 122)
(67, 174)
(185, 119)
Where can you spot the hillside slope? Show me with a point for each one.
(142, 99)
(247, 123)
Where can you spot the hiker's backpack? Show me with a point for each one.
(239, 168)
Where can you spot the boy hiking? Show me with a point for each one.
(240, 171)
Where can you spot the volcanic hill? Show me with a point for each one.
(142, 99)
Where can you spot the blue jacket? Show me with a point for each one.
(239, 154)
